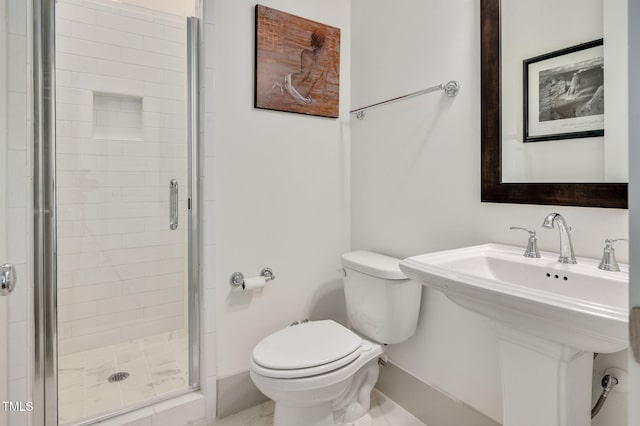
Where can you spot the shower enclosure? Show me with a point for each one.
(115, 197)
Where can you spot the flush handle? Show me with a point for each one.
(173, 204)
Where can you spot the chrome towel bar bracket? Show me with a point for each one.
(450, 88)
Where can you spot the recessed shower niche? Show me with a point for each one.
(117, 117)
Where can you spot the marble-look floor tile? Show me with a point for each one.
(383, 412)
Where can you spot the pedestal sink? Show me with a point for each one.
(550, 318)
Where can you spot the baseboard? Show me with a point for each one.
(429, 405)
(236, 393)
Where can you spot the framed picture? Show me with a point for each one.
(564, 94)
(297, 64)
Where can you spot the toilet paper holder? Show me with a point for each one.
(237, 278)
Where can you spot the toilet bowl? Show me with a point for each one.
(320, 373)
(327, 393)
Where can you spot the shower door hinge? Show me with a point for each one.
(189, 204)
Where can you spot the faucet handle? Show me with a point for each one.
(609, 262)
(532, 244)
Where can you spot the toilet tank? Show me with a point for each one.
(382, 303)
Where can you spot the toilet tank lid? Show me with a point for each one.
(374, 264)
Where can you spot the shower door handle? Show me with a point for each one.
(173, 204)
(7, 279)
(634, 332)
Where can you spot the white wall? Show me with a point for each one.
(280, 196)
(416, 179)
(577, 160)
(121, 137)
(174, 7)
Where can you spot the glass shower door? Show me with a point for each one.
(122, 179)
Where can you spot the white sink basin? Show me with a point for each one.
(549, 319)
(584, 307)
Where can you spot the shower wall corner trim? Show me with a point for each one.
(45, 396)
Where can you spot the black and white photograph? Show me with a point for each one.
(564, 94)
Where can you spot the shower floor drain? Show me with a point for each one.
(118, 377)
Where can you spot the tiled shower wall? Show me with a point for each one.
(121, 137)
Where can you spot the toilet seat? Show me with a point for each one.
(305, 350)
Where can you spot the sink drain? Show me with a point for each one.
(118, 377)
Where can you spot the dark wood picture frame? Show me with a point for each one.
(610, 195)
(527, 113)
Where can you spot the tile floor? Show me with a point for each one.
(384, 412)
(156, 365)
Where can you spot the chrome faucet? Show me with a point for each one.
(566, 247)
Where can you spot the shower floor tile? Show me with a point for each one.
(157, 365)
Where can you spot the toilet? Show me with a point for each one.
(320, 373)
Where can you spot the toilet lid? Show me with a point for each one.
(306, 345)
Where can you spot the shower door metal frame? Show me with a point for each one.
(45, 371)
(45, 367)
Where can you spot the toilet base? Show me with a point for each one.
(365, 420)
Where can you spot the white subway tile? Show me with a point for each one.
(178, 35)
(70, 95)
(133, 55)
(17, 179)
(64, 330)
(174, 294)
(129, 71)
(71, 262)
(207, 263)
(101, 83)
(149, 328)
(208, 12)
(209, 92)
(105, 35)
(18, 336)
(210, 354)
(63, 27)
(19, 306)
(70, 62)
(17, 66)
(132, 271)
(129, 25)
(102, 323)
(210, 51)
(98, 275)
(90, 341)
(69, 296)
(77, 212)
(16, 122)
(16, 235)
(209, 314)
(63, 128)
(165, 47)
(77, 311)
(75, 13)
(129, 302)
(87, 48)
(162, 311)
(81, 129)
(17, 13)
(73, 112)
